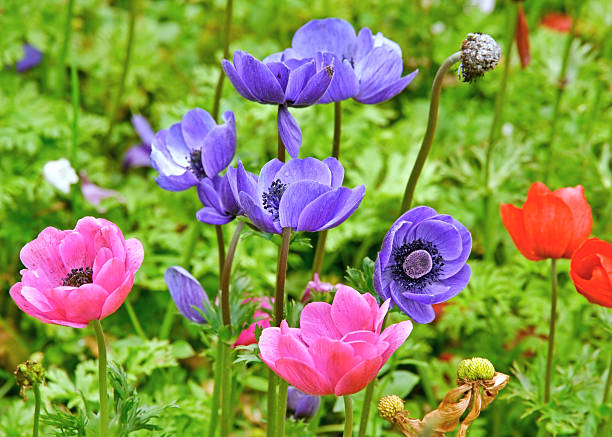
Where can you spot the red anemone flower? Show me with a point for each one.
(591, 271)
(550, 224)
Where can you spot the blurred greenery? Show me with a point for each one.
(502, 315)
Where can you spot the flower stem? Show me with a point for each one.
(220, 248)
(214, 404)
(103, 430)
(134, 319)
(561, 84)
(272, 394)
(431, 129)
(551, 335)
(320, 249)
(226, 392)
(61, 68)
(366, 407)
(348, 416)
(124, 71)
(281, 408)
(225, 276)
(226, 44)
(74, 85)
(36, 388)
(281, 276)
(280, 149)
(606, 394)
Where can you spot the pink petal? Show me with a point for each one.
(24, 305)
(333, 358)
(116, 298)
(134, 255)
(358, 378)
(111, 275)
(73, 252)
(85, 303)
(316, 321)
(110, 236)
(42, 254)
(303, 376)
(37, 299)
(395, 335)
(350, 311)
(291, 346)
(36, 279)
(380, 316)
(102, 257)
(268, 346)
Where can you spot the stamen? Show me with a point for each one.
(78, 277)
(195, 164)
(271, 199)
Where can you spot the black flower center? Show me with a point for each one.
(78, 277)
(271, 199)
(416, 264)
(195, 164)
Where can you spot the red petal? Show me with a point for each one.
(513, 221)
(522, 37)
(591, 271)
(548, 224)
(581, 211)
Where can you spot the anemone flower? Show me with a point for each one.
(140, 154)
(31, 58)
(302, 194)
(60, 174)
(301, 405)
(422, 262)
(286, 84)
(193, 149)
(367, 67)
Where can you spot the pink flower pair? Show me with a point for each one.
(338, 349)
(73, 277)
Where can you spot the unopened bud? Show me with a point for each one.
(479, 54)
(474, 369)
(390, 406)
(29, 374)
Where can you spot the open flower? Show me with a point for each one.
(315, 286)
(219, 197)
(301, 405)
(367, 67)
(591, 271)
(73, 277)
(295, 83)
(31, 58)
(302, 194)
(338, 349)
(550, 224)
(193, 149)
(140, 154)
(60, 174)
(422, 262)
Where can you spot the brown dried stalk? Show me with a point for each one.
(473, 395)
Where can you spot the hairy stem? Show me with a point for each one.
(214, 403)
(551, 335)
(366, 407)
(220, 248)
(281, 276)
(348, 416)
(272, 394)
(103, 429)
(226, 392)
(225, 276)
(430, 132)
(281, 408)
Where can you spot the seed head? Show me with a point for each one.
(474, 369)
(390, 406)
(29, 374)
(479, 54)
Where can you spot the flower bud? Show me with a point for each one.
(29, 374)
(475, 369)
(301, 405)
(390, 406)
(479, 54)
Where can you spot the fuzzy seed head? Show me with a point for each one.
(474, 369)
(29, 374)
(390, 406)
(479, 54)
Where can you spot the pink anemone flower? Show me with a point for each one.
(338, 349)
(262, 318)
(73, 277)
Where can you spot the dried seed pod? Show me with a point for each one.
(479, 54)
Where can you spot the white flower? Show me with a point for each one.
(60, 174)
(486, 6)
(507, 129)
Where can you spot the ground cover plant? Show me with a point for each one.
(305, 218)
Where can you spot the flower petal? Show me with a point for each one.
(289, 131)
(195, 126)
(395, 335)
(186, 292)
(260, 218)
(330, 209)
(219, 146)
(259, 79)
(548, 225)
(386, 92)
(316, 321)
(303, 376)
(328, 35)
(359, 377)
(316, 86)
(350, 311)
(296, 198)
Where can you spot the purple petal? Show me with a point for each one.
(244, 181)
(176, 146)
(298, 78)
(450, 287)
(330, 209)
(258, 216)
(387, 92)
(31, 58)
(219, 146)
(315, 88)
(295, 198)
(143, 129)
(195, 126)
(328, 35)
(377, 280)
(304, 169)
(95, 194)
(267, 175)
(452, 266)
(344, 83)
(444, 235)
(186, 292)
(420, 313)
(337, 171)
(259, 80)
(137, 156)
(280, 71)
(207, 192)
(236, 80)
(176, 183)
(211, 216)
(363, 44)
(289, 131)
(377, 69)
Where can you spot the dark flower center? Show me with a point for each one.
(416, 264)
(271, 199)
(78, 277)
(195, 164)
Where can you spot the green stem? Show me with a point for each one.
(192, 239)
(226, 44)
(103, 430)
(365, 409)
(225, 276)
(606, 394)
(281, 276)
(272, 394)
(226, 392)
(134, 319)
(124, 70)
(36, 388)
(431, 130)
(281, 409)
(551, 335)
(74, 85)
(348, 416)
(320, 249)
(214, 407)
(61, 68)
(561, 84)
(220, 248)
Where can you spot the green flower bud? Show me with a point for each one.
(390, 406)
(474, 369)
(29, 374)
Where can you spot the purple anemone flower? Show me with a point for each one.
(302, 194)
(140, 154)
(301, 405)
(94, 194)
(296, 83)
(193, 149)
(422, 262)
(186, 292)
(31, 58)
(367, 67)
